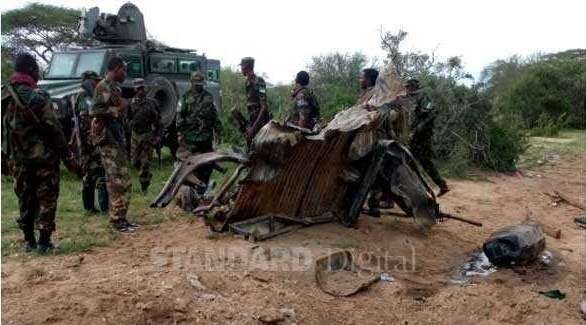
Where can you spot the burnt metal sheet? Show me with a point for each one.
(300, 176)
(184, 171)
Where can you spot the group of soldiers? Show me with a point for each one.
(37, 143)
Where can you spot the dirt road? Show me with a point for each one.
(164, 273)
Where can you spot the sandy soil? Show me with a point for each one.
(157, 276)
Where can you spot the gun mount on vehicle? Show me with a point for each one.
(166, 70)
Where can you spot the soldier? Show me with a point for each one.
(146, 132)
(197, 123)
(36, 146)
(422, 121)
(94, 176)
(256, 99)
(367, 81)
(305, 110)
(108, 134)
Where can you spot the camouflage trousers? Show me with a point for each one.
(142, 155)
(37, 189)
(118, 183)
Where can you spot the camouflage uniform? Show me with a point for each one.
(108, 134)
(146, 130)
(197, 121)
(256, 103)
(94, 175)
(305, 110)
(422, 121)
(36, 144)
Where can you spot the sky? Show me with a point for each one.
(283, 35)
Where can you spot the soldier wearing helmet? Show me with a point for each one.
(198, 123)
(256, 99)
(146, 128)
(422, 118)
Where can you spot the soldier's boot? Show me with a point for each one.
(87, 196)
(122, 225)
(30, 242)
(102, 195)
(45, 245)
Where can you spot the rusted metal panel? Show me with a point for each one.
(185, 170)
(299, 176)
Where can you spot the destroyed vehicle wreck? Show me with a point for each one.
(294, 178)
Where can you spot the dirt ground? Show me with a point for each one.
(160, 275)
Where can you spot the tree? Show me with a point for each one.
(546, 90)
(7, 64)
(41, 29)
(466, 133)
(334, 78)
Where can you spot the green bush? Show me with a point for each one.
(506, 142)
(547, 126)
(544, 89)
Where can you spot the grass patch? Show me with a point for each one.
(543, 150)
(78, 231)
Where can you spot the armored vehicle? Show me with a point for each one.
(166, 70)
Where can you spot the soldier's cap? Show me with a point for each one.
(138, 83)
(412, 82)
(90, 75)
(197, 78)
(247, 61)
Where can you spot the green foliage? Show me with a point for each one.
(467, 133)
(233, 97)
(548, 126)
(334, 79)
(279, 100)
(506, 142)
(544, 89)
(7, 64)
(40, 29)
(78, 231)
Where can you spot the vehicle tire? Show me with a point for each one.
(163, 90)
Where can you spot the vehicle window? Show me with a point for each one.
(165, 65)
(62, 65)
(134, 66)
(213, 75)
(91, 61)
(188, 66)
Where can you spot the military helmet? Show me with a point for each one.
(90, 75)
(247, 61)
(197, 78)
